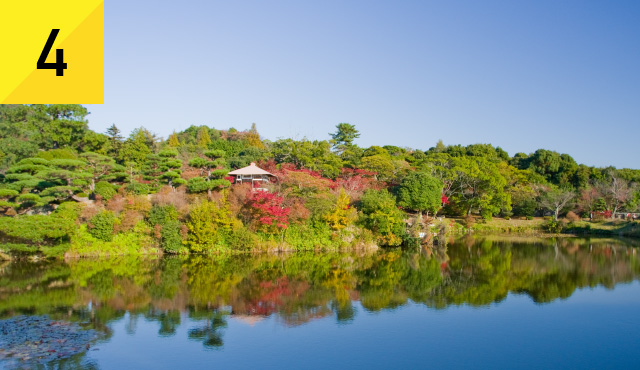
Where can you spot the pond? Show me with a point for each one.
(486, 302)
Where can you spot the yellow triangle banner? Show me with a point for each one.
(25, 29)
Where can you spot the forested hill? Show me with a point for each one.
(48, 156)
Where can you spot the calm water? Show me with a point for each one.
(479, 303)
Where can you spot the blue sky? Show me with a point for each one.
(522, 75)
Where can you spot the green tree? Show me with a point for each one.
(558, 169)
(115, 141)
(555, 200)
(162, 168)
(381, 215)
(381, 164)
(420, 192)
(52, 180)
(137, 147)
(312, 155)
(105, 190)
(344, 136)
(164, 219)
(215, 172)
(479, 185)
(13, 150)
(99, 165)
(58, 125)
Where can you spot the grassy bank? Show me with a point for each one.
(609, 228)
(540, 226)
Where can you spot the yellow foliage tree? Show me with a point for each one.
(173, 140)
(253, 137)
(342, 215)
(204, 224)
(203, 137)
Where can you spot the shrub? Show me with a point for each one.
(57, 154)
(28, 199)
(138, 203)
(105, 190)
(134, 242)
(241, 239)
(37, 229)
(553, 226)
(238, 197)
(198, 185)
(170, 237)
(311, 236)
(486, 215)
(101, 226)
(138, 188)
(68, 211)
(116, 204)
(469, 221)
(319, 206)
(572, 217)
(87, 212)
(298, 212)
(529, 218)
(8, 193)
(128, 220)
(162, 215)
(168, 196)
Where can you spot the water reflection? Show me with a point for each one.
(299, 288)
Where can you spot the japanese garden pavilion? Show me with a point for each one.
(252, 174)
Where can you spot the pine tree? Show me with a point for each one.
(115, 139)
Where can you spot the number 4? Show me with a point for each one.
(59, 65)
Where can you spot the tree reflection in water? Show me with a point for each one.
(298, 288)
(210, 333)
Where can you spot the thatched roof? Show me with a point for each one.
(251, 169)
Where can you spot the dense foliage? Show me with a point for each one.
(175, 195)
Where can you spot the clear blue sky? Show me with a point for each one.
(522, 75)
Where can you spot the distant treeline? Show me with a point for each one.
(174, 194)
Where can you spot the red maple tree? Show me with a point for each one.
(269, 213)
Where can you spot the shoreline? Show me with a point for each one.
(7, 256)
